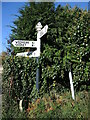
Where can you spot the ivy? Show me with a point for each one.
(64, 47)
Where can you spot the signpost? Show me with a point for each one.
(28, 54)
(22, 43)
(36, 53)
(43, 31)
(33, 44)
(24, 54)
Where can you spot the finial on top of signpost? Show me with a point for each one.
(38, 27)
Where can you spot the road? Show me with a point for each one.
(0, 90)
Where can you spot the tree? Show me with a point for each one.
(64, 47)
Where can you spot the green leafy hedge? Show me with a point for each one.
(65, 47)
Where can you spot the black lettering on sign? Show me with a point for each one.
(32, 43)
(30, 53)
(27, 42)
(21, 43)
(18, 43)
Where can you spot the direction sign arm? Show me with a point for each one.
(43, 31)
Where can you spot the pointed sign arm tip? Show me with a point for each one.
(13, 42)
(47, 26)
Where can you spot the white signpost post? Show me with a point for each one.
(33, 44)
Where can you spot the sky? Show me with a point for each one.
(9, 9)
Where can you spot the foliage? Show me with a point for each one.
(20, 76)
(52, 106)
(62, 106)
(10, 109)
(65, 47)
(2, 56)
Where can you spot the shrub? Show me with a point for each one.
(61, 107)
(65, 47)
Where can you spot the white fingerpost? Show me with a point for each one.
(71, 85)
(38, 29)
(32, 44)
